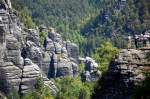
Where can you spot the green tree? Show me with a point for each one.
(42, 36)
(73, 88)
(26, 18)
(104, 54)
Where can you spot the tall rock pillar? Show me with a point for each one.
(2, 42)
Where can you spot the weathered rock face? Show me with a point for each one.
(72, 51)
(64, 56)
(124, 73)
(9, 77)
(33, 35)
(91, 72)
(23, 58)
(29, 75)
(17, 71)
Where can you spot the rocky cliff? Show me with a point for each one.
(23, 58)
(16, 71)
(125, 72)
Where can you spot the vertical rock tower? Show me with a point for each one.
(16, 73)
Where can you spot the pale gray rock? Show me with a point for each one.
(34, 53)
(91, 73)
(10, 77)
(51, 86)
(58, 48)
(2, 96)
(64, 68)
(30, 74)
(75, 69)
(64, 52)
(49, 45)
(73, 51)
(33, 35)
(126, 72)
(46, 63)
(21, 56)
(12, 43)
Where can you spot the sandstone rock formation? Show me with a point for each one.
(64, 56)
(23, 58)
(91, 72)
(125, 72)
(16, 71)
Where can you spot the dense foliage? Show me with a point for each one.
(73, 88)
(67, 16)
(89, 22)
(104, 54)
(116, 20)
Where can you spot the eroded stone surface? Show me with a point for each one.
(124, 73)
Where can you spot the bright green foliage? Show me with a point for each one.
(81, 67)
(73, 88)
(67, 16)
(104, 54)
(84, 21)
(42, 37)
(13, 95)
(116, 24)
(25, 17)
(41, 91)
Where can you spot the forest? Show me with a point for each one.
(89, 22)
